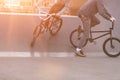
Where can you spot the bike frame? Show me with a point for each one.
(44, 20)
(105, 32)
(47, 16)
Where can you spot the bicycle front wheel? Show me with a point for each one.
(55, 24)
(36, 33)
(75, 37)
(111, 47)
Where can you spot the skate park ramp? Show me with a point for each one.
(16, 32)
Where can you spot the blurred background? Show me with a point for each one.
(18, 18)
(29, 6)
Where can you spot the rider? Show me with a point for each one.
(58, 8)
(87, 15)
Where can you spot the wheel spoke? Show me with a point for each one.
(55, 25)
(112, 49)
(75, 37)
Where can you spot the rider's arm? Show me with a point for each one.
(102, 10)
(66, 7)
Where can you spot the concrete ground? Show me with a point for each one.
(63, 66)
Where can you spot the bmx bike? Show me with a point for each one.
(111, 45)
(50, 22)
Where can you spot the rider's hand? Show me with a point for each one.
(112, 19)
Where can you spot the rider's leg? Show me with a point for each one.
(94, 21)
(54, 9)
(86, 21)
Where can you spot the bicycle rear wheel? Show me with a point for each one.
(55, 24)
(111, 47)
(36, 33)
(75, 37)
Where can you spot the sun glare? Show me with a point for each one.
(29, 6)
(26, 6)
(10, 3)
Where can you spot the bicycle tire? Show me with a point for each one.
(56, 24)
(114, 50)
(36, 33)
(75, 39)
(33, 41)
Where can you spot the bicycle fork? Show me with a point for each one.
(111, 42)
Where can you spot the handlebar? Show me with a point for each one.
(47, 15)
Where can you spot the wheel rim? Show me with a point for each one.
(112, 50)
(55, 26)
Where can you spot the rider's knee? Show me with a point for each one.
(95, 23)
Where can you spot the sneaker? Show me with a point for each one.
(80, 53)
